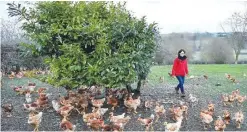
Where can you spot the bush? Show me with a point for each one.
(91, 43)
(218, 52)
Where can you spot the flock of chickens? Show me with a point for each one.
(85, 97)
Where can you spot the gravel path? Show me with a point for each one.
(162, 92)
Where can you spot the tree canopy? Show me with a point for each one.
(89, 43)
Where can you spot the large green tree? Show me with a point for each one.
(90, 43)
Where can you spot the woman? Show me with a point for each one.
(180, 70)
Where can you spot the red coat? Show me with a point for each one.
(180, 67)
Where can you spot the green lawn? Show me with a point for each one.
(215, 73)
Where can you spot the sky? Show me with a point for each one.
(179, 15)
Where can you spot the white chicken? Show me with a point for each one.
(55, 105)
(35, 119)
(193, 100)
(28, 98)
(174, 126)
(115, 118)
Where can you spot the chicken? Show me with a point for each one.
(65, 101)
(112, 127)
(225, 99)
(101, 111)
(231, 99)
(176, 112)
(96, 124)
(83, 104)
(219, 124)
(31, 107)
(112, 101)
(67, 125)
(42, 102)
(41, 90)
(227, 117)
(235, 93)
(211, 107)
(239, 118)
(8, 109)
(169, 74)
(174, 126)
(159, 111)
(11, 76)
(121, 122)
(184, 108)
(65, 110)
(19, 89)
(193, 100)
(147, 121)
(20, 75)
(114, 118)
(206, 119)
(241, 99)
(28, 97)
(148, 104)
(89, 116)
(35, 119)
(132, 103)
(162, 79)
(31, 86)
(205, 76)
(55, 105)
(97, 102)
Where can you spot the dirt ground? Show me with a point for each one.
(161, 92)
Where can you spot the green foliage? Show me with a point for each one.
(91, 42)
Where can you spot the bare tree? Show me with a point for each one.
(237, 24)
(169, 46)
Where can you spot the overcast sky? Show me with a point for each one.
(179, 15)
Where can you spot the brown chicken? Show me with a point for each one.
(121, 122)
(89, 116)
(8, 109)
(239, 118)
(219, 124)
(96, 124)
(241, 99)
(82, 104)
(112, 101)
(206, 119)
(159, 111)
(176, 112)
(65, 110)
(184, 108)
(148, 104)
(211, 107)
(205, 76)
(97, 102)
(225, 99)
(111, 127)
(147, 122)
(67, 125)
(131, 103)
(227, 117)
(31, 107)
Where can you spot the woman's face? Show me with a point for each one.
(182, 54)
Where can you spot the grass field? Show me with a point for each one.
(204, 89)
(215, 73)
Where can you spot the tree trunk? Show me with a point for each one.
(128, 86)
(236, 58)
(139, 84)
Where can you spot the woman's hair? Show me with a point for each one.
(180, 57)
